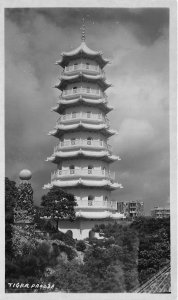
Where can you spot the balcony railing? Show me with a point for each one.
(84, 143)
(83, 116)
(83, 67)
(78, 172)
(81, 90)
(97, 203)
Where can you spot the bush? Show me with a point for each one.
(63, 237)
(80, 246)
(69, 234)
(71, 254)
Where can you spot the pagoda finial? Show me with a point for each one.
(83, 30)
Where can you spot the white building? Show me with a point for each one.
(160, 212)
(83, 155)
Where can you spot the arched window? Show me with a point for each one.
(88, 114)
(106, 198)
(73, 114)
(60, 170)
(89, 139)
(90, 168)
(91, 234)
(75, 89)
(90, 200)
(73, 141)
(69, 233)
(72, 169)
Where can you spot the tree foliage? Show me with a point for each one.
(11, 196)
(69, 277)
(154, 246)
(58, 205)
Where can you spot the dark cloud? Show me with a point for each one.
(138, 46)
(146, 23)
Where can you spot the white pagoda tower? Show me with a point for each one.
(83, 155)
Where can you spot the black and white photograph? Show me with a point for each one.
(89, 130)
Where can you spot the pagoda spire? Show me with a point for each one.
(83, 36)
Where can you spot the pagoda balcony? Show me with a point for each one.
(82, 143)
(90, 117)
(86, 92)
(79, 172)
(96, 204)
(89, 69)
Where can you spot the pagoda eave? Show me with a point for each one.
(62, 104)
(106, 184)
(99, 79)
(60, 155)
(99, 215)
(83, 51)
(60, 131)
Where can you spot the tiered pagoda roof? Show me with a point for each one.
(103, 155)
(63, 104)
(82, 52)
(75, 72)
(61, 128)
(66, 79)
(106, 183)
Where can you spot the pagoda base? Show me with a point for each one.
(81, 228)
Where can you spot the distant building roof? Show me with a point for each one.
(159, 283)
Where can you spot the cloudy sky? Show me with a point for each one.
(137, 43)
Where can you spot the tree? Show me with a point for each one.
(69, 277)
(80, 245)
(103, 268)
(11, 196)
(154, 246)
(58, 205)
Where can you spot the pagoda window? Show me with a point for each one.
(89, 139)
(88, 114)
(75, 89)
(73, 115)
(90, 200)
(62, 142)
(60, 170)
(88, 89)
(72, 169)
(72, 141)
(101, 142)
(106, 198)
(99, 116)
(103, 170)
(90, 168)
(75, 66)
(87, 66)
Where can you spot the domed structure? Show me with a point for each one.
(25, 174)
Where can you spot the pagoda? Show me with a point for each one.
(83, 155)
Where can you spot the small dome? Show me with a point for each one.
(25, 174)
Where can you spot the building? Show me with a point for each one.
(83, 155)
(158, 284)
(160, 212)
(131, 209)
